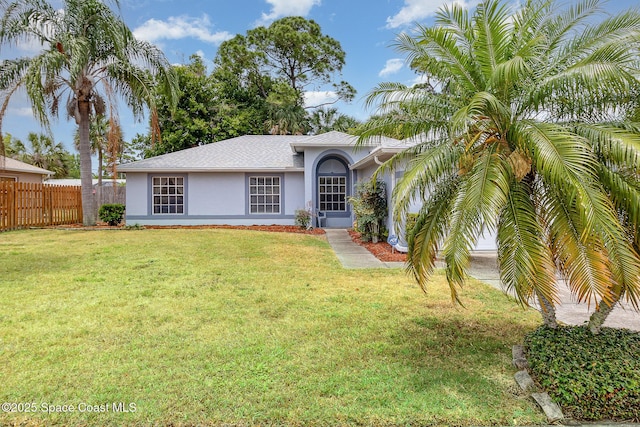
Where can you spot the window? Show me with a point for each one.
(8, 179)
(333, 193)
(168, 195)
(264, 194)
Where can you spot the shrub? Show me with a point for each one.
(111, 213)
(593, 377)
(303, 218)
(370, 209)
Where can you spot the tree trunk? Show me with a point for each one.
(548, 312)
(99, 189)
(88, 212)
(600, 315)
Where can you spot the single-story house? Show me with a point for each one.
(253, 179)
(257, 180)
(15, 170)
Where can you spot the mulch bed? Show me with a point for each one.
(272, 228)
(381, 250)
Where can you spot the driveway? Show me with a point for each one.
(484, 268)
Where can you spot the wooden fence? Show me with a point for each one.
(108, 194)
(36, 205)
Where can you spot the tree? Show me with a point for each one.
(324, 120)
(106, 140)
(293, 50)
(89, 57)
(98, 139)
(40, 151)
(209, 108)
(279, 63)
(522, 130)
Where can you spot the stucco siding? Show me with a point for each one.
(214, 198)
(137, 194)
(216, 194)
(294, 194)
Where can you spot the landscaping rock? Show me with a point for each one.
(519, 358)
(550, 408)
(524, 380)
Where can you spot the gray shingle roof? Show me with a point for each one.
(244, 153)
(249, 153)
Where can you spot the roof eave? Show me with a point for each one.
(298, 147)
(210, 170)
(370, 158)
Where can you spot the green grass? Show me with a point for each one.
(229, 326)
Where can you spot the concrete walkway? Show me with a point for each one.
(352, 255)
(484, 268)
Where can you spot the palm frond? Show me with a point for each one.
(526, 263)
(482, 195)
(616, 143)
(444, 59)
(579, 254)
(493, 25)
(429, 232)
(482, 106)
(425, 169)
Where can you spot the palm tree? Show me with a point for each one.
(46, 154)
(89, 57)
(290, 119)
(521, 129)
(327, 119)
(40, 151)
(98, 137)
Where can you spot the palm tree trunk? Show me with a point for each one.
(548, 312)
(88, 211)
(600, 315)
(99, 191)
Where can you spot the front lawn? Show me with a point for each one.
(227, 326)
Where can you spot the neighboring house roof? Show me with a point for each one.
(12, 165)
(250, 153)
(106, 182)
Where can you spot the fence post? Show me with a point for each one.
(79, 204)
(13, 217)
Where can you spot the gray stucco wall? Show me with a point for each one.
(214, 198)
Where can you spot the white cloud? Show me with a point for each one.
(280, 8)
(391, 67)
(416, 10)
(420, 79)
(180, 27)
(20, 111)
(311, 98)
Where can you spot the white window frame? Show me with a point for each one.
(265, 195)
(168, 195)
(327, 191)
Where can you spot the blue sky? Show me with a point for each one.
(366, 30)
